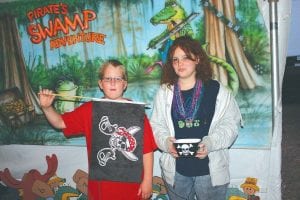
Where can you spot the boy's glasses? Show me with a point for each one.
(112, 79)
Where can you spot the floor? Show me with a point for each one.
(290, 170)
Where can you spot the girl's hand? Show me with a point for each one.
(202, 151)
(171, 147)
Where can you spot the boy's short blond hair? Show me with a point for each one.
(114, 63)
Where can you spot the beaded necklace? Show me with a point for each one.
(189, 113)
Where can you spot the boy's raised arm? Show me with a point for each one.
(46, 98)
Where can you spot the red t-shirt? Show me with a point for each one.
(79, 122)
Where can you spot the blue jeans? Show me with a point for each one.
(187, 188)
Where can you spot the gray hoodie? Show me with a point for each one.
(222, 133)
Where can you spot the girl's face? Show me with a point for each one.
(112, 83)
(184, 67)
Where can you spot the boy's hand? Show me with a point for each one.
(145, 190)
(46, 98)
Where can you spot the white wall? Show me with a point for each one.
(294, 34)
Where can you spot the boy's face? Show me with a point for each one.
(112, 83)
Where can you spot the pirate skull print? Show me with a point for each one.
(185, 149)
(104, 155)
(121, 139)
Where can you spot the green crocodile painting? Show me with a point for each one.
(172, 15)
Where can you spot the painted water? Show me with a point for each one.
(255, 106)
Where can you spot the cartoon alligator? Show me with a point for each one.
(174, 16)
(233, 79)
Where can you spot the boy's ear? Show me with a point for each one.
(125, 85)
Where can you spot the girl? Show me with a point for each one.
(189, 104)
